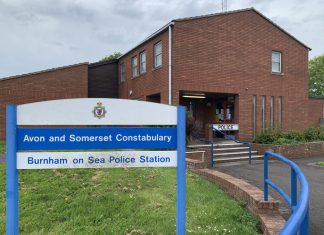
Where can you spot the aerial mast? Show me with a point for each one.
(224, 5)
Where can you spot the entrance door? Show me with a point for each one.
(225, 111)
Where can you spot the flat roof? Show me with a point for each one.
(100, 63)
(44, 71)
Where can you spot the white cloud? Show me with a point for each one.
(40, 34)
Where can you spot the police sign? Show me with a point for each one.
(226, 127)
(132, 142)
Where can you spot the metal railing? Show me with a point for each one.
(298, 220)
(236, 141)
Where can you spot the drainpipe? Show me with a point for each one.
(170, 62)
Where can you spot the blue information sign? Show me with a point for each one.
(90, 113)
(96, 138)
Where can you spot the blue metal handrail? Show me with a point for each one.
(298, 221)
(211, 147)
(236, 141)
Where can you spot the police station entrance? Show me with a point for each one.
(206, 109)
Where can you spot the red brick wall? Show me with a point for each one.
(154, 81)
(62, 83)
(231, 53)
(315, 111)
(228, 53)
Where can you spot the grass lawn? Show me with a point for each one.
(320, 163)
(120, 201)
(2, 147)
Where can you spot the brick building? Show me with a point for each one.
(74, 81)
(234, 67)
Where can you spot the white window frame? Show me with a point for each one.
(142, 62)
(263, 112)
(271, 112)
(254, 115)
(134, 65)
(157, 55)
(280, 112)
(276, 62)
(122, 72)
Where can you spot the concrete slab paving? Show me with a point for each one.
(280, 174)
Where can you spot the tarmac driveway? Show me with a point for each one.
(280, 174)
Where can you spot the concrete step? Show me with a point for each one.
(231, 149)
(234, 159)
(227, 145)
(198, 145)
(215, 145)
(230, 154)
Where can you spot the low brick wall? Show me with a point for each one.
(266, 212)
(311, 149)
(207, 156)
(196, 159)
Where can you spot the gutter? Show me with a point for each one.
(170, 62)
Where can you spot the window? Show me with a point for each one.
(122, 72)
(134, 67)
(254, 115)
(276, 62)
(280, 112)
(271, 112)
(263, 113)
(142, 62)
(158, 55)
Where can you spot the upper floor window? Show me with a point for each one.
(134, 67)
(122, 72)
(158, 54)
(142, 62)
(276, 62)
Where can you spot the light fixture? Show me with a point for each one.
(194, 96)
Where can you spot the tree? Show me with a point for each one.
(111, 57)
(316, 76)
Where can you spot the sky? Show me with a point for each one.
(42, 34)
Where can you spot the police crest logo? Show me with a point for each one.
(99, 111)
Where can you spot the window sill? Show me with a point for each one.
(157, 68)
(278, 74)
(135, 77)
(139, 76)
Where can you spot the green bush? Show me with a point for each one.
(267, 137)
(296, 136)
(312, 134)
(321, 135)
(282, 141)
(291, 137)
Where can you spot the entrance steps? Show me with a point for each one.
(231, 152)
(227, 151)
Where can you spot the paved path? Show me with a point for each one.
(280, 174)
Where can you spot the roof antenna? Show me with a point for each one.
(224, 5)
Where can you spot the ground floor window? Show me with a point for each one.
(254, 115)
(263, 112)
(280, 112)
(271, 112)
